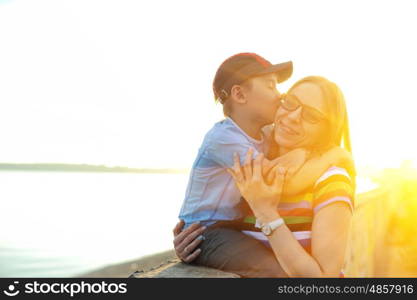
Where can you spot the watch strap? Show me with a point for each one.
(276, 223)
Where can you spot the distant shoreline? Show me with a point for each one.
(55, 167)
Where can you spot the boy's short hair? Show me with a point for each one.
(243, 66)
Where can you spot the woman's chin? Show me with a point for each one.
(285, 141)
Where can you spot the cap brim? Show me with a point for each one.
(282, 70)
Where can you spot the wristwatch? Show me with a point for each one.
(268, 228)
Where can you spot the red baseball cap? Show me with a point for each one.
(243, 66)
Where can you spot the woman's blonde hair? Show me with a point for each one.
(338, 127)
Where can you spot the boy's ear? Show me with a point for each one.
(237, 94)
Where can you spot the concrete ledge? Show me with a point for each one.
(159, 265)
(181, 270)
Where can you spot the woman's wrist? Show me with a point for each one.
(267, 216)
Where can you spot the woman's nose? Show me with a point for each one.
(295, 115)
(278, 93)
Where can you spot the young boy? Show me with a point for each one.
(251, 81)
(245, 84)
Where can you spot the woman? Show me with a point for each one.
(308, 233)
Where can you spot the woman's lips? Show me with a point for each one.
(287, 129)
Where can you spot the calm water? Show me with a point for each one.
(62, 224)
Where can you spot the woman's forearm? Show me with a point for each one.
(292, 257)
(295, 261)
(329, 231)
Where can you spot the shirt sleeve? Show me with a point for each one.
(335, 185)
(221, 151)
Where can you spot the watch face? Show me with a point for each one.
(266, 230)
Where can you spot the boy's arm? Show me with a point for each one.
(291, 161)
(222, 152)
(308, 174)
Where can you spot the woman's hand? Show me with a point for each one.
(263, 198)
(186, 241)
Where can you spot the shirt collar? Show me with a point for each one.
(245, 134)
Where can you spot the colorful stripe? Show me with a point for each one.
(299, 227)
(299, 235)
(331, 194)
(331, 172)
(287, 219)
(301, 204)
(301, 212)
(297, 220)
(298, 211)
(308, 197)
(332, 186)
(302, 235)
(332, 200)
(337, 177)
(250, 220)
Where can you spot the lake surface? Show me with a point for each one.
(61, 224)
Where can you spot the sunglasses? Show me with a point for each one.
(311, 115)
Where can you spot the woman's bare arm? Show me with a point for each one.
(330, 232)
(330, 226)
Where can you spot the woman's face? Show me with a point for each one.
(292, 130)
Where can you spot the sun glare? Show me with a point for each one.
(94, 91)
(129, 83)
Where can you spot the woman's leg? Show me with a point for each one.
(232, 251)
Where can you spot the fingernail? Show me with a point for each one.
(201, 237)
(203, 228)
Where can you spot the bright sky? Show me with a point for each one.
(129, 82)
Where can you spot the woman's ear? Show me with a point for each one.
(237, 94)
